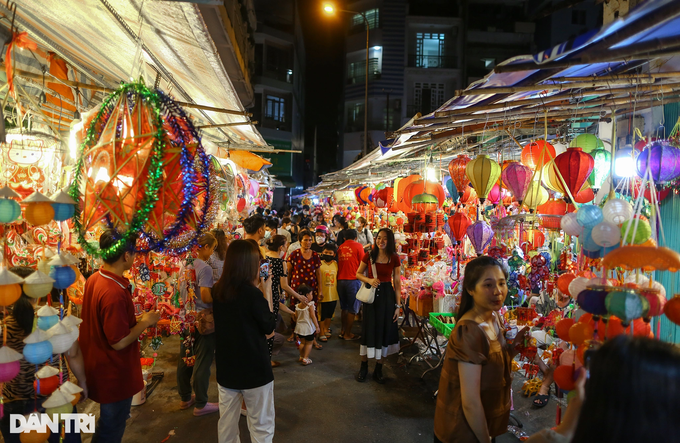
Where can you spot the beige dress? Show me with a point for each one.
(469, 343)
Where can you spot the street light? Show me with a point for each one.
(330, 10)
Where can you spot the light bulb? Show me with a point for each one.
(624, 165)
(431, 174)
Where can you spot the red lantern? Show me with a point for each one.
(585, 196)
(641, 328)
(384, 198)
(563, 282)
(531, 240)
(241, 205)
(46, 386)
(575, 167)
(459, 223)
(562, 328)
(554, 207)
(531, 154)
(457, 171)
(469, 196)
(401, 203)
(564, 376)
(672, 309)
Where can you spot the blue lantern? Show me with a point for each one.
(63, 276)
(38, 349)
(64, 206)
(9, 210)
(589, 216)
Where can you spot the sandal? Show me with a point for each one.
(354, 337)
(341, 336)
(306, 361)
(328, 334)
(291, 339)
(275, 364)
(541, 401)
(323, 338)
(317, 346)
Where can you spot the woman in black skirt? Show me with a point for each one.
(380, 336)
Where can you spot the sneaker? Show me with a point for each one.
(209, 408)
(187, 404)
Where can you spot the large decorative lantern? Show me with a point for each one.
(626, 305)
(602, 166)
(662, 158)
(517, 177)
(617, 211)
(39, 210)
(483, 172)
(531, 154)
(551, 178)
(587, 142)
(9, 208)
(480, 235)
(10, 291)
(495, 194)
(459, 223)
(575, 166)
(457, 168)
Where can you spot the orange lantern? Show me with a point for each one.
(611, 327)
(580, 332)
(424, 187)
(562, 328)
(401, 203)
(457, 172)
(531, 154)
(469, 196)
(531, 240)
(564, 376)
(640, 328)
(563, 282)
(672, 309)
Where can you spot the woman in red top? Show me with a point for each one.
(302, 266)
(380, 336)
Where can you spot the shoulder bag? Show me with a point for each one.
(205, 322)
(366, 293)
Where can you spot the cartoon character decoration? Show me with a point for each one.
(24, 165)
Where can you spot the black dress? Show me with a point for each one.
(277, 270)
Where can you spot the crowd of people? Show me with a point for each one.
(303, 265)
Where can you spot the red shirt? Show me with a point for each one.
(350, 254)
(108, 316)
(384, 269)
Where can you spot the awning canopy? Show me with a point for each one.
(625, 67)
(97, 44)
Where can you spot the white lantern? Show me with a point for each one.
(639, 279)
(606, 234)
(617, 211)
(570, 226)
(577, 285)
(71, 321)
(38, 284)
(61, 338)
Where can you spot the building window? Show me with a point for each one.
(372, 17)
(357, 70)
(278, 64)
(428, 96)
(429, 50)
(355, 117)
(275, 108)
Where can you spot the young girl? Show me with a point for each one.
(306, 326)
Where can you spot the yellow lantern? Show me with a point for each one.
(483, 173)
(536, 195)
(551, 178)
(39, 210)
(10, 291)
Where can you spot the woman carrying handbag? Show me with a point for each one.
(380, 335)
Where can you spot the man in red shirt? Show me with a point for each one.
(350, 254)
(108, 339)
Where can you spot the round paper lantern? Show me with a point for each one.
(63, 276)
(672, 309)
(606, 234)
(570, 225)
(38, 214)
(610, 327)
(46, 323)
(575, 166)
(47, 385)
(589, 215)
(60, 337)
(38, 285)
(38, 353)
(626, 305)
(563, 282)
(9, 294)
(459, 223)
(531, 154)
(551, 178)
(35, 436)
(483, 172)
(9, 210)
(656, 301)
(564, 376)
(617, 211)
(9, 364)
(636, 236)
(536, 195)
(517, 177)
(577, 285)
(592, 300)
(661, 157)
(480, 235)
(640, 328)
(587, 142)
(457, 168)
(63, 212)
(562, 328)
(601, 168)
(580, 332)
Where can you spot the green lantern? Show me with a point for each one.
(587, 142)
(626, 305)
(641, 234)
(601, 169)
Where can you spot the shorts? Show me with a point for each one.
(306, 337)
(347, 293)
(328, 309)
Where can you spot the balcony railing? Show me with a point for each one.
(278, 73)
(432, 61)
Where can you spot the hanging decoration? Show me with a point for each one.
(480, 235)
(537, 154)
(457, 170)
(574, 167)
(483, 172)
(517, 177)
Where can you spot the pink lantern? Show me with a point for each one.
(480, 234)
(494, 196)
(517, 178)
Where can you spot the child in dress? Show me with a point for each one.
(306, 326)
(328, 288)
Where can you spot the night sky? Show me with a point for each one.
(324, 44)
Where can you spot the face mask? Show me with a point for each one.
(327, 257)
(288, 228)
(267, 234)
(357, 224)
(320, 240)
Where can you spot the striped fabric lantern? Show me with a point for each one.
(457, 168)
(517, 177)
(575, 166)
(483, 173)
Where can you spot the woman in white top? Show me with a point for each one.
(364, 235)
(306, 326)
